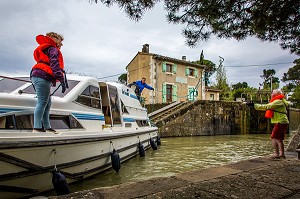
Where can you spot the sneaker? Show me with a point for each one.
(51, 130)
(38, 130)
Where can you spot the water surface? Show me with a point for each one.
(182, 154)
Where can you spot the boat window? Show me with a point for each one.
(58, 93)
(128, 124)
(74, 124)
(90, 97)
(141, 123)
(64, 122)
(9, 85)
(124, 109)
(24, 121)
(7, 122)
(115, 104)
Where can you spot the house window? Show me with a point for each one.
(211, 96)
(191, 72)
(169, 68)
(169, 93)
(192, 94)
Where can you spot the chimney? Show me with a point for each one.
(184, 58)
(145, 48)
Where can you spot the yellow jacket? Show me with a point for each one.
(279, 107)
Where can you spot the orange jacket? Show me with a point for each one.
(42, 59)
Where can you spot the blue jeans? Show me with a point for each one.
(42, 109)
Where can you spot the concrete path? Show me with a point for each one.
(255, 178)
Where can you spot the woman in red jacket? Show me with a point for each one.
(48, 69)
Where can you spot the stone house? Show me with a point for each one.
(173, 79)
(212, 94)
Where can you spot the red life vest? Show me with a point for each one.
(41, 58)
(270, 113)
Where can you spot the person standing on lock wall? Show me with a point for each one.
(276, 110)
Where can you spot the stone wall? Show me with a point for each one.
(153, 107)
(221, 118)
(208, 118)
(294, 117)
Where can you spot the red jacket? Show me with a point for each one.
(42, 59)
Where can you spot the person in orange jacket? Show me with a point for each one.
(45, 73)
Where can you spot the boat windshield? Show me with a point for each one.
(54, 90)
(8, 85)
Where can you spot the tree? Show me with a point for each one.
(268, 20)
(293, 74)
(201, 58)
(210, 68)
(221, 82)
(292, 78)
(242, 90)
(238, 90)
(295, 98)
(270, 81)
(288, 87)
(240, 85)
(123, 78)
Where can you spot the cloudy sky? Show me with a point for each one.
(101, 41)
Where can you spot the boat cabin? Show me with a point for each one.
(86, 105)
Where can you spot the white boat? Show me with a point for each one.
(93, 118)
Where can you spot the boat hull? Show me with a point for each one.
(25, 166)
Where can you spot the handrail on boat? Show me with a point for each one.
(12, 78)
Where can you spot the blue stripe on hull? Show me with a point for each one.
(128, 120)
(133, 96)
(7, 110)
(79, 116)
(88, 116)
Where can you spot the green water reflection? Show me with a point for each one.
(182, 154)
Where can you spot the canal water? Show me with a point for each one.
(182, 154)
